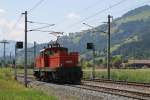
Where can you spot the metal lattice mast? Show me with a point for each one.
(4, 54)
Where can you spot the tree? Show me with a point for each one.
(86, 64)
(117, 60)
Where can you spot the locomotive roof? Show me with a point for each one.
(52, 48)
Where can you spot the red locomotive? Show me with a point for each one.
(56, 64)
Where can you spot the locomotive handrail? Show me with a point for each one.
(56, 44)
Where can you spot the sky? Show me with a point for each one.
(67, 15)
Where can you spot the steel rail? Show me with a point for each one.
(119, 82)
(119, 92)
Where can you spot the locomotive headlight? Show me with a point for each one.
(61, 65)
(69, 61)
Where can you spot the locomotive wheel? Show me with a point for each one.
(37, 75)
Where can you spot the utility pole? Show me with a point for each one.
(10, 57)
(4, 57)
(26, 30)
(34, 53)
(108, 47)
(93, 74)
(25, 58)
(15, 70)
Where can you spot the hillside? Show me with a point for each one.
(130, 31)
(129, 36)
(136, 23)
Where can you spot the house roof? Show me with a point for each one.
(138, 61)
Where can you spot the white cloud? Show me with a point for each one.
(83, 28)
(2, 11)
(9, 30)
(73, 15)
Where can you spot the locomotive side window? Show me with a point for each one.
(41, 53)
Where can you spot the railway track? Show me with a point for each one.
(118, 82)
(108, 90)
(29, 76)
(127, 86)
(118, 92)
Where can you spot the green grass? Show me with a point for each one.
(12, 90)
(131, 75)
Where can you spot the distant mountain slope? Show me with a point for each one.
(133, 27)
(130, 36)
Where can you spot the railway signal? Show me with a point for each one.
(108, 42)
(18, 45)
(91, 46)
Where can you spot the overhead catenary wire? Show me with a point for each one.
(91, 6)
(103, 10)
(35, 6)
(129, 8)
(95, 14)
(43, 27)
(83, 10)
(33, 22)
(40, 30)
(17, 22)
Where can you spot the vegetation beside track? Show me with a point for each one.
(12, 90)
(130, 75)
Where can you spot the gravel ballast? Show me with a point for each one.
(65, 92)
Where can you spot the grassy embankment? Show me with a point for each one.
(12, 90)
(131, 75)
